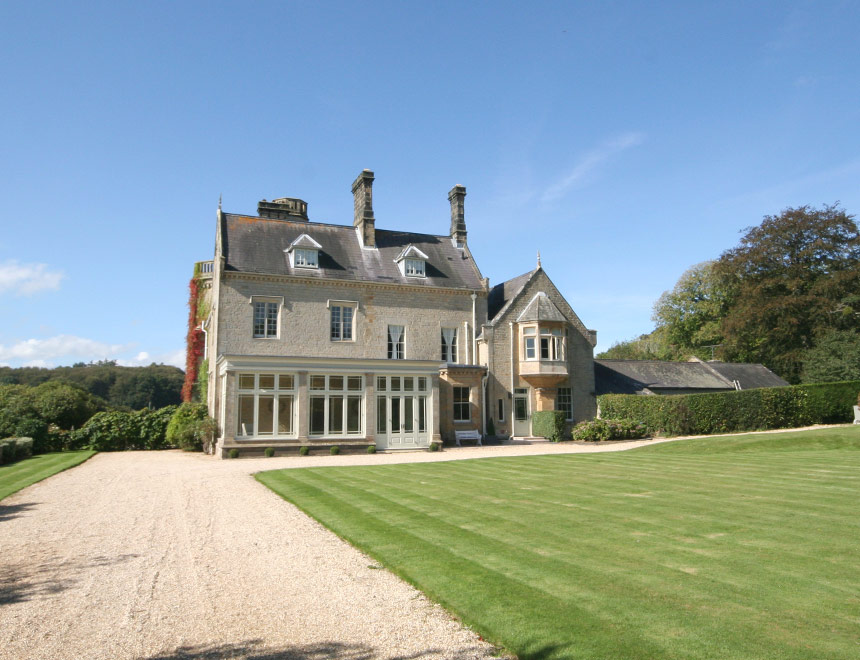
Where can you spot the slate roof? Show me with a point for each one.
(502, 294)
(637, 376)
(256, 245)
(750, 376)
(633, 376)
(541, 308)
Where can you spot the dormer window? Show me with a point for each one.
(414, 268)
(412, 262)
(304, 252)
(306, 258)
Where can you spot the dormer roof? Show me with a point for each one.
(304, 241)
(411, 252)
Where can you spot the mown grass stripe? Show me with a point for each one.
(576, 567)
(26, 472)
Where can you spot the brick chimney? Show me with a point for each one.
(362, 192)
(457, 197)
(283, 208)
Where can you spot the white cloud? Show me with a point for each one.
(144, 359)
(589, 162)
(61, 346)
(67, 349)
(27, 279)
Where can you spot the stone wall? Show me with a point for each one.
(304, 320)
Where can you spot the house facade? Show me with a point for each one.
(323, 334)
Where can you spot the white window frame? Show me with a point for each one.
(567, 406)
(536, 337)
(414, 267)
(266, 302)
(340, 306)
(467, 403)
(327, 394)
(277, 393)
(449, 348)
(396, 350)
(306, 258)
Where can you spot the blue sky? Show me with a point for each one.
(626, 141)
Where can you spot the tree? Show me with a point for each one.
(792, 278)
(689, 316)
(652, 346)
(836, 356)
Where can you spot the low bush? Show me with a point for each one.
(303, 450)
(434, 446)
(191, 428)
(334, 451)
(233, 453)
(548, 424)
(598, 430)
(14, 449)
(270, 451)
(371, 449)
(746, 410)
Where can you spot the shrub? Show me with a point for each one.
(371, 449)
(14, 449)
(270, 451)
(233, 453)
(153, 427)
(303, 450)
(491, 428)
(434, 446)
(598, 430)
(64, 404)
(746, 410)
(108, 431)
(191, 428)
(548, 424)
(334, 451)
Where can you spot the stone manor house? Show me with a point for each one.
(328, 334)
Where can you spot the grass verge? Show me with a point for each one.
(725, 548)
(28, 471)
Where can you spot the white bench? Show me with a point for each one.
(467, 435)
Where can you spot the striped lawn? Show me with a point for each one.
(736, 547)
(15, 476)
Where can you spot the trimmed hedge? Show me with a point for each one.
(746, 410)
(548, 424)
(14, 449)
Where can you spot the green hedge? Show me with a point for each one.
(14, 449)
(119, 431)
(548, 424)
(746, 410)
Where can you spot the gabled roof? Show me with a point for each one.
(304, 241)
(541, 308)
(750, 376)
(503, 294)
(642, 376)
(635, 376)
(256, 245)
(411, 252)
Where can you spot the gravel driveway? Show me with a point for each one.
(174, 555)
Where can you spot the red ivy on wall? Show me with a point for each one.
(193, 343)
